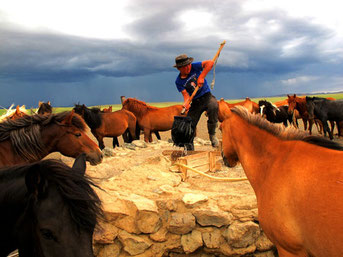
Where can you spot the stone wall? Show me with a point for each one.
(192, 225)
(151, 212)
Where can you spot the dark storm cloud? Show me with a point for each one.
(263, 48)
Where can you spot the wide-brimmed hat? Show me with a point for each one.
(182, 60)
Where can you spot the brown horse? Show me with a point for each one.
(109, 109)
(151, 119)
(251, 106)
(108, 124)
(297, 180)
(31, 138)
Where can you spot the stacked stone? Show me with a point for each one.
(194, 225)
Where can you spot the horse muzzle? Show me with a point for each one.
(232, 163)
(95, 157)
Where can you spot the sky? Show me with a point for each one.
(93, 52)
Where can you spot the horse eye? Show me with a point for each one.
(78, 134)
(47, 234)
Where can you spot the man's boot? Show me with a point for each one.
(212, 132)
(214, 141)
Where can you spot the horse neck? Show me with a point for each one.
(252, 149)
(12, 197)
(50, 135)
(301, 107)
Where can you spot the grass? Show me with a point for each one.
(116, 107)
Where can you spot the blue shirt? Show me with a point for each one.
(189, 83)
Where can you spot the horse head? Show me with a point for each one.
(70, 138)
(292, 103)
(229, 154)
(54, 223)
(44, 108)
(310, 106)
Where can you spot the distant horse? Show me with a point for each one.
(275, 114)
(31, 138)
(48, 209)
(325, 110)
(150, 118)
(109, 109)
(108, 124)
(18, 112)
(251, 106)
(299, 103)
(44, 108)
(297, 180)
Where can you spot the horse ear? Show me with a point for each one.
(35, 182)
(49, 103)
(17, 109)
(295, 95)
(68, 119)
(39, 103)
(80, 164)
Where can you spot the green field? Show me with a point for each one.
(164, 104)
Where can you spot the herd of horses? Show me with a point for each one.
(296, 176)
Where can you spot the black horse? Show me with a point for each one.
(275, 114)
(48, 209)
(325, 110)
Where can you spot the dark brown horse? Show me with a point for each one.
(297, 180)
(44, 108)
(31, 138)
(151, 119)
(299, 103)
(108, 124)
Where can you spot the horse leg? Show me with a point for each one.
(157, 135)
(115, 142)
(310, 124)
(305, 124)
(294, 121)
(147, 135)
(101, 142)
(332, 123)
(326, 129)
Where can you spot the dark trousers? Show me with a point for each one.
(208, 103)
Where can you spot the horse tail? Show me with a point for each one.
(132, 126)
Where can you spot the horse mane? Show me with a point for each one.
(92, 116)
(75, 188)
(139, 108)
(25, 133)
(282, 132)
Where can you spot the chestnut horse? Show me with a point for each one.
(151, 119)
(31, 138)
(108, 124)
(14, 114)
(297, 180)
(251, 106)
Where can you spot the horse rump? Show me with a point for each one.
(182, 131)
